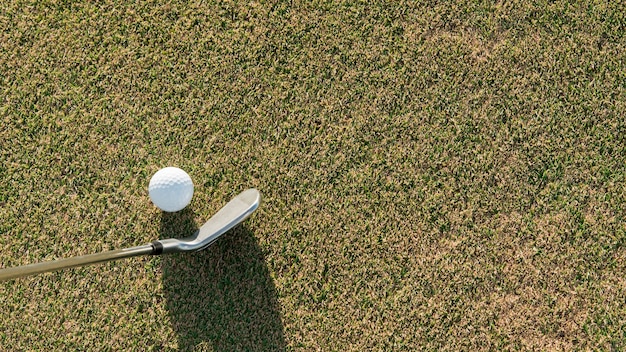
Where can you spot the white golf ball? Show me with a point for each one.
(171, 189)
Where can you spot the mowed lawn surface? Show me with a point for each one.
(436, 175)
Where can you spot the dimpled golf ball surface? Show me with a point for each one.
(171, 189)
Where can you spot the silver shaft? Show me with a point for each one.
(31, 269)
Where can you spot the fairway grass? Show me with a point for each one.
(435, 176)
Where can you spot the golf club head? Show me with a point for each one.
(234, 212)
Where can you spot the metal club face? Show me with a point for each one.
(234, 212)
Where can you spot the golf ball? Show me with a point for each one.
(171, 189)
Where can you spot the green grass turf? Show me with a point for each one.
(436, 175)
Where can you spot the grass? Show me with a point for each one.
(436, 176)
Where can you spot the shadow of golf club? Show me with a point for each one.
(222, 297)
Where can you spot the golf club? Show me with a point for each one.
(234, 212)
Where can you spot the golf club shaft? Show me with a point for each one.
(31, 269)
